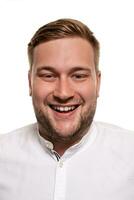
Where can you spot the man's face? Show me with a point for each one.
(64, 87)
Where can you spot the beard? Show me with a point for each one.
(49, 132)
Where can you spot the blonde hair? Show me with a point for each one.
(63, 28)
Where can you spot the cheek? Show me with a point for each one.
(87, 92)
(40, 91)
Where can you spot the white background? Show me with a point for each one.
(112, 21)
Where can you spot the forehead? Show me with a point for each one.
(66, 52)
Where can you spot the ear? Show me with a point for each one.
(98, 77)
(30, 82)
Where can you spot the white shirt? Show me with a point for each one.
(100, 167)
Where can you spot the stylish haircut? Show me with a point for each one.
(63, 28)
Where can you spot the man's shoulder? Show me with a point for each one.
(113, 129)
(115, 137)
(19, 134)
(20, 144)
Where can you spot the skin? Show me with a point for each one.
(63, 74)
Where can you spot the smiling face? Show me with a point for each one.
(64, 87)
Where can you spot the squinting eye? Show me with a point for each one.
(80, 76)
(48, 77)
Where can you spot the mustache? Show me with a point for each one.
(65, 100)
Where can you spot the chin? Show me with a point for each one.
(65, 134)
(66, 127)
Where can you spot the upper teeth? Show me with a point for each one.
(64, 109)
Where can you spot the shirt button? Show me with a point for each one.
(60, 164)
(49, 145)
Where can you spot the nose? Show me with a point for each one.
(63, 90)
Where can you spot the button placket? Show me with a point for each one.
(60, 181)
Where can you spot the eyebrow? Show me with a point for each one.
(48, 68)
(73, 69)
(80, 68)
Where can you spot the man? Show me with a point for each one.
(66, 155)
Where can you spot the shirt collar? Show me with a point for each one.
(84, 143)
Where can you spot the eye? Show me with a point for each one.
(49, 77)
(80, 76)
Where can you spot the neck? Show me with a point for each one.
(60, 148)
(61, 145)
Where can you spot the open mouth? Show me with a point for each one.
(64, 109)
